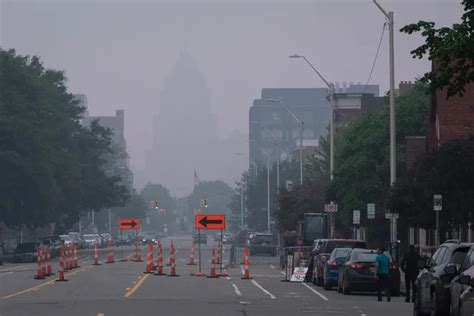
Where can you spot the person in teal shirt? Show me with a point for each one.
(382, 262)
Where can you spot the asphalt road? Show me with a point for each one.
(122, 288)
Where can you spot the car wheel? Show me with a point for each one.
(326, 285)
(339, 290)
(416, 309)
(434, 304)
(345, 287)
(319, 280)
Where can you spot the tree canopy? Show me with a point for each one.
(51, 165)
(451, 49)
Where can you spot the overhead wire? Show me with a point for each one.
(376, 56)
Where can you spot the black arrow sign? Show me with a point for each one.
(204, 221)
(131, 223)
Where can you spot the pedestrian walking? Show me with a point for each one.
(411, 268)
(382, 262)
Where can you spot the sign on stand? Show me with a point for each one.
(437, 202)
(202, 221)
(299, 274)
(330, 208)
(129, 223)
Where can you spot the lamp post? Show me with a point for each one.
(277, 145)
(301, 124)
(268, 181)
(393, 161)
(332, 100)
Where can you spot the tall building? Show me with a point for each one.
(116, 124)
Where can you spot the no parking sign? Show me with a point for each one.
(299, 274)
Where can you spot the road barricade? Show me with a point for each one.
(173, 261)
(62, 266)
(149, 258)
(191, 255)
(213, 273)
(75, 256)
(159, 262)
(39, 265)
(138, 251)
(49, 268)
(110, 252)
(96, 255)
(246, 264)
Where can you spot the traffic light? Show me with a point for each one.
(154, 205)
(205, 202)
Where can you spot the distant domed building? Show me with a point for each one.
(185, 130)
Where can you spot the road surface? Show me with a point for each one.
(122, 288)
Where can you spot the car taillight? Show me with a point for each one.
(356, 265)
(333, 264)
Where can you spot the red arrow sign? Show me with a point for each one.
(202, 221)
(129, 223)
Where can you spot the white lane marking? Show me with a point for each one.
(228, 278)
(14, 268)
(315, 292)
(272, 266)
(363, 314)
(236, 289)
(282, 272)
(263, 289)
(6, 273)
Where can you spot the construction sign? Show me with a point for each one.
(129, 223)
(203, 221)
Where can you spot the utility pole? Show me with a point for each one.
(268, 181)
(242, 205)
(393, 161)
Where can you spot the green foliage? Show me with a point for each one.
(449, 171)
(134, 208)
(218, 193)
(51, 166)
(361, 173)
(452, 50)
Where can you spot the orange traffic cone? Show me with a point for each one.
(138, 251)
(49, 270)
(96, 255)
(173, 261)
(191, 255)
(110, 253)
(75, 256)
(159, 262)
(61, 265)
(246, 264)
(149, 258)
(39, 270)
(213, 264)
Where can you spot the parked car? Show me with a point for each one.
(433, 282)
(26, 252)
(323, 251)
(263, 244)
(106, 237)
(357, 273)
(332, 266)
(77, 239)
(123, 240)
(228, 238)
(462, 298)
(52, 241)
(200, 238)
(149, 237)
(91, 239)
(65, 239)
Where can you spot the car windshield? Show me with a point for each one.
(364, 256)
(263, 239)
(459, 255)
(340, 253)
(89, 237)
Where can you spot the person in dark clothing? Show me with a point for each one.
(410, 267)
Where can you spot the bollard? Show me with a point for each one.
(39, 269)
(159, 262)
(173, 262)
(110, 253)
(61, 266)
(213, 264)
(246, 264)
(191, 255)
(49, 270)
(96, 255)
(75, 256)
(138, 253)
(149, 258)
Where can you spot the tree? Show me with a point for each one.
(361, 173)
(51, 166)
(218, 195)
(451, 49)
(447, 171)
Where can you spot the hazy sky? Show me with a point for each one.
(119, 52)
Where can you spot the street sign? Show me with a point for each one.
(356, 217)
(437, 202)
(129, 223)
(203, 221)
(391, 215)
(330, 208)
(299, 274)
(370, 211)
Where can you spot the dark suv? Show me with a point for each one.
(432, 284)
(323, 251)
(263, 244)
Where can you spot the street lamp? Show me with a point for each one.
(277, 143)
(301, 124)
(331, 124)
(393, 164)
(268, 181)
